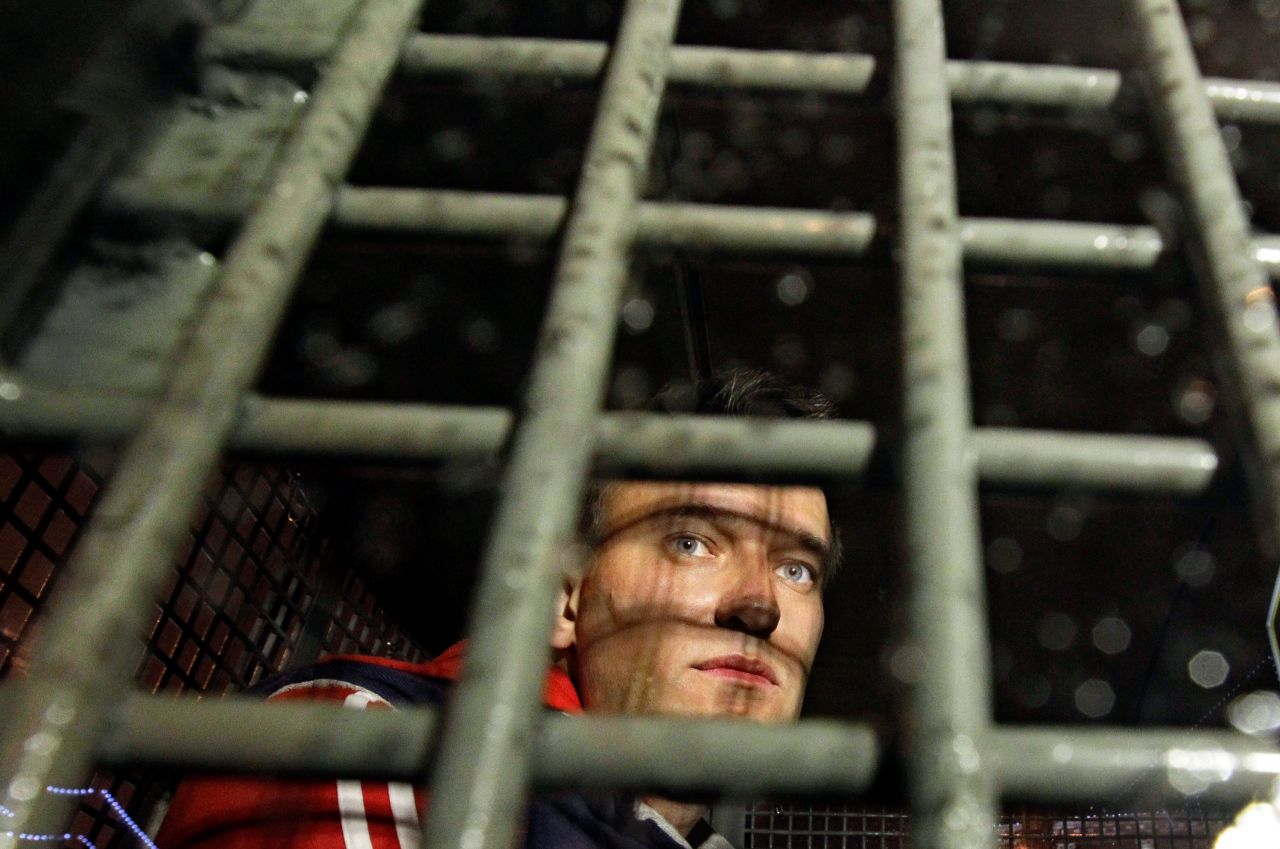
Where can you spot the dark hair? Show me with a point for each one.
(744, 392)
(740, 392)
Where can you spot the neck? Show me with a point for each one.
(683, 816)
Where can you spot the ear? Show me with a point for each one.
(564, 632)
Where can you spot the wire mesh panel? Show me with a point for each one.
(244, 586)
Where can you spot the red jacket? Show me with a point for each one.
(269, 813)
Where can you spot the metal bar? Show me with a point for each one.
(1077, 765)
(638, 442)
(86, 652)
(649, 753)
(479, 785)
(953, 797)
(1008, 242)
(1238, 294)
(669, 225)
(1093, 461)
(48, 218)
(1005, 83)
(712, 228)
(563, 59)
(1051, 765)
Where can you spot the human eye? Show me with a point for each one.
(689, 545)
(796, 573)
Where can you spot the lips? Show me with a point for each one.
(740, 668)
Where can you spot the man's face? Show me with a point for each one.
(702, 600)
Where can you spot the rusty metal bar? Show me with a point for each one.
(85, 653)
(480, 784)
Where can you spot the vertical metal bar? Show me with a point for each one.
(952, 793)
(1236, 288)
(479, 786)
(85, 656)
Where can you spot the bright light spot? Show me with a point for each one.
(1152, 340)
(1260, 316)
(1267, 255)
(1064, 522)
(1196, 401)
(1192, 771)
(1257, 826)
(637, 315)
(1194, 567)
(794, 287)
(300, 96)
(1111, 635)
(1095, 698)
(1208, 668)
(10, 391)
(1255, 713)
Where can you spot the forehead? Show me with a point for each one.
(798, 510)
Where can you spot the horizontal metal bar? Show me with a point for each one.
(1067, 764)
(637, 442)
(1005, 83)
(243, 735)
(716, 228)
(1112, 461)
(1007, 241)
(670, 225)
(1072, 764)
(707, 227)
(730, 68)
(564, 59)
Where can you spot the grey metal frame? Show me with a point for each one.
(76, 708)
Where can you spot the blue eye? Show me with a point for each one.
(796, 573)
(690, 546)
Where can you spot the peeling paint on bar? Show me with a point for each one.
(480, 783)
(1236, 290)
(80, 665)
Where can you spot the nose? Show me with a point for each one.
(750, 606)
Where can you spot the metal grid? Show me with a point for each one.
(243, 590)
(959, 763)
(859, 826)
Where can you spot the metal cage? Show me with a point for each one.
(292, 107)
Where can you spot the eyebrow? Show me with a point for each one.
(712, 512)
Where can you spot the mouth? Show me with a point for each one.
(736, 667)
